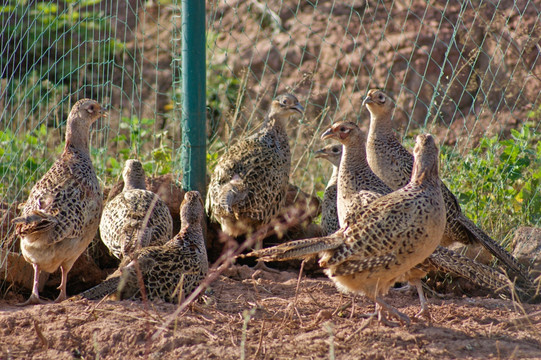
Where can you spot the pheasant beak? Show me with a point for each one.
(299, 108)
(320, 153)
(328, 134)
(367, 100)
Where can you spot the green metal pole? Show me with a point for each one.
(193, 155)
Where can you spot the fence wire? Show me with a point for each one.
(467, 71)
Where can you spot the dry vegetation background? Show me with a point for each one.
(485, 82)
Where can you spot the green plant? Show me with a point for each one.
(59, 38)
(222, 86)
(137, 139)
(23, 159)
(498, 182)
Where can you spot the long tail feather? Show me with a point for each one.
(448, 261)
(497, 250)
(106, 288)
(298, 248)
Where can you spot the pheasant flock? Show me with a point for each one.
(386, 214)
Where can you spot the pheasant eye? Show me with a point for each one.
(342, 129)
(382, 98)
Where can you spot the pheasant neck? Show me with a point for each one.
(353, 167)
(381, 128)
(77, 133)
(137, 182)
(334, 176)
(425, 170)
(189, 231)
(275, 123)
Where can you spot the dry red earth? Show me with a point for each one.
(256, 314)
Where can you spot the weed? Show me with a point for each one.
(498, 182)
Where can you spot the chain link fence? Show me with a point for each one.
(467, 71)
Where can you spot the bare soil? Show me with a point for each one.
(256, 315)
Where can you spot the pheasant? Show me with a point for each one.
(329, 215)
(169, 271)
(249, 184)
(393, 164)
(388, 238)
(62, 213)
(136, 217)
(358, 186)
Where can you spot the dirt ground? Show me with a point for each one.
(254, 315)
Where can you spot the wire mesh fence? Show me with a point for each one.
(467, 71)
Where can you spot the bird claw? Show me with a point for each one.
(60, 298)
(383, 306)
(424, 313)
(403, 289)
(262, 266)
(33, 300)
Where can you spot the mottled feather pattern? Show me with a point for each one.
(249, 184)
(393, 164)
(449, 261)
(169, 271)
(329, 212)
(122, 225)
(391, 219)
(265, 177)
(66, 189)
(62, 213)
(298, 248)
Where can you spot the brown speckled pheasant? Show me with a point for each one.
(62, 213)
(329, 214)
(393, 164)
(136, 217)
(170, 271)
(358, 186)
(389, 237)
(249, 184)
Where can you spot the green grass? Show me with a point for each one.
(498, 182)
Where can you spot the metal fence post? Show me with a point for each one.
(193, 155)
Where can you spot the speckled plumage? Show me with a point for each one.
(389, 237)
(249, 184)
(359, 186)
(136, 217)
(329, 213)
(393, 164)
(180, 264)
(62, 213)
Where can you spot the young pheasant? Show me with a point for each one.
(249, 184)
(63, 210)
(329, 214)
(393, 164)
(388, 238)
(136, 217)
(170, 271)
(358, 186)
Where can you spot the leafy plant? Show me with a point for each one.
(22, 160)
(222, 86)
(498, 182)
(137, 139)
(59, 38)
